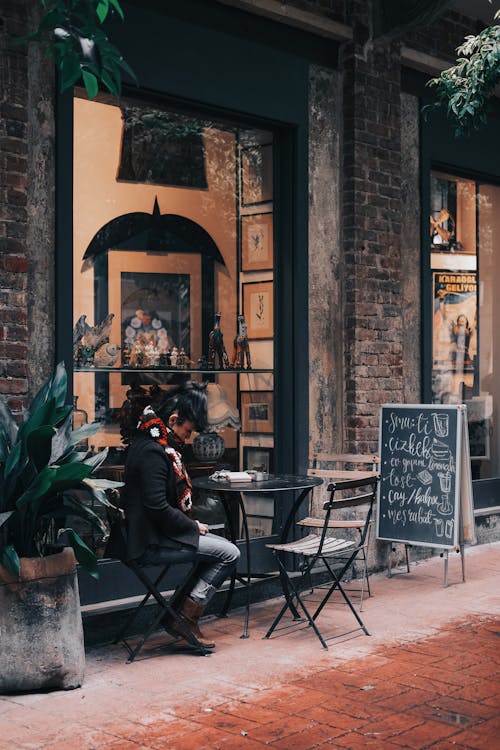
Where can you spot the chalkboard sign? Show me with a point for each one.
(425, 474)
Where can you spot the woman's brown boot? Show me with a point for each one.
(191, 611)
(181, 627)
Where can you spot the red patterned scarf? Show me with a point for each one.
(151, 423)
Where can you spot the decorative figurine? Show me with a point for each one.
(86, 356)
(107, 355)
(241, 346)
(88, 339)
(202, 362)
(173, 356)
(216, 346)
(183, 360)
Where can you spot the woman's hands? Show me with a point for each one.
(202, 528)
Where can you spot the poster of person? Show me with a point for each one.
(454, 335)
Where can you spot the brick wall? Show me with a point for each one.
(371, 232)
(13, 205)
(442, 38)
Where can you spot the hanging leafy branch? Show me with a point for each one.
(466, 88)
(71, 32)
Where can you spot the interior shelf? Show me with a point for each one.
(172, 370)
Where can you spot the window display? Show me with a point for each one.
(465, 275)
(173, 266)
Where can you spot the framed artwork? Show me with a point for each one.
(257, 459)
(258, 308)
(257, 242)
(179, 140)
(256, 175)
(158, 299)
(257, 411)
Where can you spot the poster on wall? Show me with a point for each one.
(455, 330)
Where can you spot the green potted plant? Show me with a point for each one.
(41, 466)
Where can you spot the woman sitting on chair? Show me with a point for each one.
(157, 502)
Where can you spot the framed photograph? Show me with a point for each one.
(257, 411)
(257, 459)
(256, 175)
(258, 308)
(257, 242)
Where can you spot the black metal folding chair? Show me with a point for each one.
(116, 548)
(343, 464)
(335, 553)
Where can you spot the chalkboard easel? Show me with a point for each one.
(425, 495)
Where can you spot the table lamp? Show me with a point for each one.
(208, 446)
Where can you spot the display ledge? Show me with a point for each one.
(174, 370)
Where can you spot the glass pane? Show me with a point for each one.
(173, 239)
(466, 273)
(485, 412)
(454, 288)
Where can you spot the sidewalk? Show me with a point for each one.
(429, 676)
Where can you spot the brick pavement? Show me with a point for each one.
(428, 677)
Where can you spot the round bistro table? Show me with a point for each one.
(229, 492)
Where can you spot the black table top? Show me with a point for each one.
(275, 483)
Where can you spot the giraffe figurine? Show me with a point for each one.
(241, 346)
(216, 346)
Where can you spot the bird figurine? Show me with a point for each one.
(107, 355)
(98, 335)
(87, 338)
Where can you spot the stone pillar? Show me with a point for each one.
(371, 232)
(325, 273)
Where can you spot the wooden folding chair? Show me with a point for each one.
(116, 548)
(335, 553)
(339, 463)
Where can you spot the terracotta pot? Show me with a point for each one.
(41, 628)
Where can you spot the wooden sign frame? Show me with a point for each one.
(425, 493)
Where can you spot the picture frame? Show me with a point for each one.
(256, 174)
(167, 269)
(257, 411)
(257, 458)
(258, 308)
(257, 242)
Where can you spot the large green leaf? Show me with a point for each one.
(8, 425)
(10, 560)
(98, 487)
(90, 83)
(39, 445)
(4, 517)
(83, 554)
(59, 385)
(84, 432)
(12, 462)
(97, 459)
(45, 414)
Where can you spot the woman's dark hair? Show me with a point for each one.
(189, 400)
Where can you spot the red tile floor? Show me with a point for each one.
(428, 677)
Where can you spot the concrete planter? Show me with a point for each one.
(41, 631)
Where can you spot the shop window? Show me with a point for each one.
(173, 234)
(465, 268)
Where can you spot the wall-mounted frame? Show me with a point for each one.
(256, 175)
(257, 411)
(257, 458)
(258, 308)
(257, 242)
(172, 270)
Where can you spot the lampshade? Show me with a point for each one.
(221, 413)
